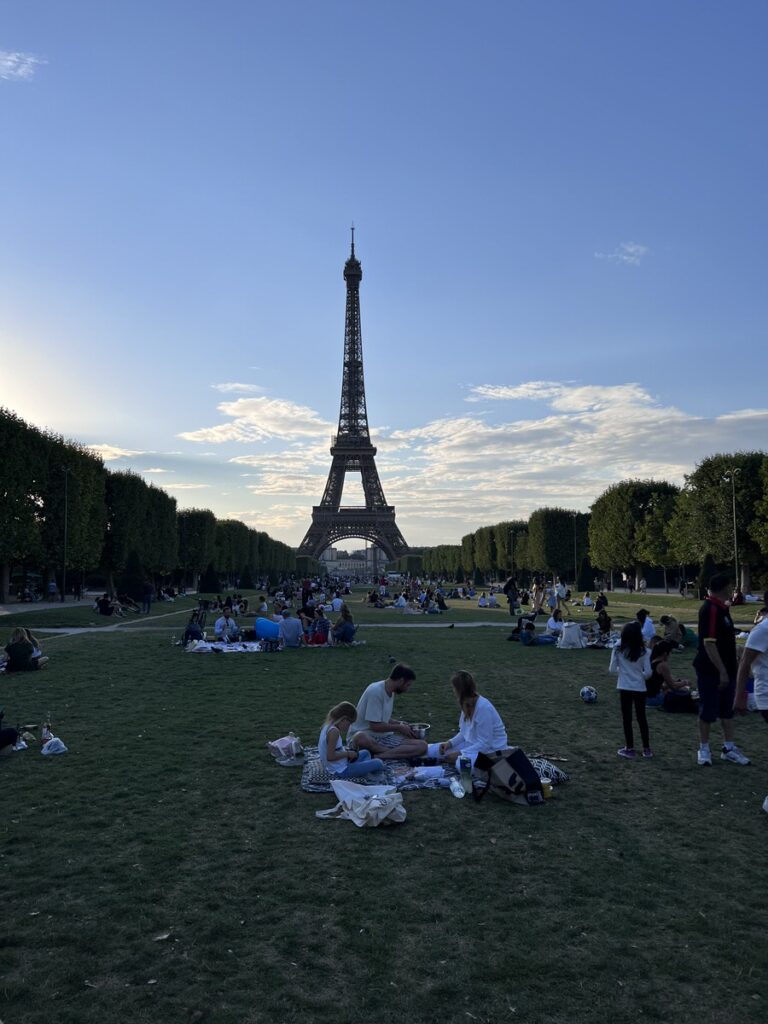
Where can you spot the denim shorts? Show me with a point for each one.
(715, 703)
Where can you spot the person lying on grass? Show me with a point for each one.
(529, 637)
(481, 730)
(340, 761)
(374, 720)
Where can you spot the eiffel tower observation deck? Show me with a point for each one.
(353, 452)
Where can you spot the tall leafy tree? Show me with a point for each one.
(196, 529)
(22, 483)
(485, 550)
(703, 521)
(617, 518)
(557, 540)
(651, 534)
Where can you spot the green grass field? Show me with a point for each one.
(166, 870)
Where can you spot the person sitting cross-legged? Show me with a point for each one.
(319, 628)
(291, 631)
(225, 627)
(374, 719)
(481, 730)
(343, 762)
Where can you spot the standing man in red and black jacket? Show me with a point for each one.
(716, 665)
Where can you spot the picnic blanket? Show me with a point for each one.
(315, 778)
(205, 647)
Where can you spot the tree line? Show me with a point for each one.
(632, 526)
(60, 507)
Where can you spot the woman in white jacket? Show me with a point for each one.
(481, 729)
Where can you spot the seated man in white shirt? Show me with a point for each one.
(482, 601)
(374, 718)
(492, 602)
(400, 601)
(291, 631)
(225, 627)
(337, 603)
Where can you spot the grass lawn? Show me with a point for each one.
(165, 871)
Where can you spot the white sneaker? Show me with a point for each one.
(765, 805)
(704, 757)
(734, 755)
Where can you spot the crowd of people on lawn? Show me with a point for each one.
(640, 659)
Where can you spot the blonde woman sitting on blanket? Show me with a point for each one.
(481, 730)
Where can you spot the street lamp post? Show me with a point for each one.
(729, 477)
(575, 516)
(66, 472)
(511, 552)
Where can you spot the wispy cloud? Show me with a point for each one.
(455, 473)
(17, 66)
(185, 487)
(533, 389)
(156, 469)
(110, 452)
(244, 389)
(626, 252)
(261, 419)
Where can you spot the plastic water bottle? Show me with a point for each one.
(457, 789)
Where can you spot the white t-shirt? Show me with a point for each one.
(553, 626)
(648, 629)
(375, 705)
(632, 674)
(337, 604)
(758, 641)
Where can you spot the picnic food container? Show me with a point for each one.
(420, 729)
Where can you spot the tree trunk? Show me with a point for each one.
(746, 583)
(610, 582)
(5, 581)
(666, 583)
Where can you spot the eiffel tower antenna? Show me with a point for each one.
(353, 452)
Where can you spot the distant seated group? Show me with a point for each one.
(310, 627)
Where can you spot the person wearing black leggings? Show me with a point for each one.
(631, 662)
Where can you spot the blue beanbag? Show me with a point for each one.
(266, 629)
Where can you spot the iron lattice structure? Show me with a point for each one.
(352, 452)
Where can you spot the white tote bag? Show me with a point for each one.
(366, 806)
(572, 638)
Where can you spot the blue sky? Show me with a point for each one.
(561, 218)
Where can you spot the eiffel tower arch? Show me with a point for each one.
(352, 452)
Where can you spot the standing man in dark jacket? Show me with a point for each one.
(716, 664)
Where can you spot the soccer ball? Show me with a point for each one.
(588, 694)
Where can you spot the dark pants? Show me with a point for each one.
(634, 699)
(8, 738)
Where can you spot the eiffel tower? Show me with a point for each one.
(353, 452)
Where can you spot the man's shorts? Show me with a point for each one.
(715, 703)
